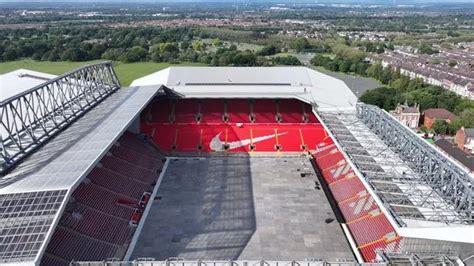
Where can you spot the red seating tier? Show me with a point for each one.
(187, 138)
(212, 110)
(291, 110)
(102, 199)
(52, 260)
(372, 228)
(186, 110)
(346, 188)
(159, 112)
(71, 245)
(265, 111)
(369, 251)
(358, 206)
(97, 224)
(238, 110)
(118, 182)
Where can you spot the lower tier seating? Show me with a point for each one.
(71, 245)
(211, 137)
(368, 225)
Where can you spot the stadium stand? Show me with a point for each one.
(265, 134)
(264, 110)
(368, 226)
(98, 219)
(238, 111)
(185, 111)
(212, 111)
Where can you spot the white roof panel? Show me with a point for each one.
(254, 82)
(20, 80)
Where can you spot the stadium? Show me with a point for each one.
(220, 166)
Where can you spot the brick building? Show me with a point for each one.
(465, 139)
(430, 116)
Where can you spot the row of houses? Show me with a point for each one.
(461, 147)
(450, 69)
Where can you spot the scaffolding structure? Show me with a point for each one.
(410, 177)
(31, 118)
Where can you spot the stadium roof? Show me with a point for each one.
(257, 82)
(20, 80)
(34, 193)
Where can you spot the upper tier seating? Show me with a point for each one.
(238, 111)
(185, 110)
(265, 111)
(212, 111)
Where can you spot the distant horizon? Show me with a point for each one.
(380, 2)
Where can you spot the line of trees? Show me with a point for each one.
(131, 45)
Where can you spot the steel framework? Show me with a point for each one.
(29, 119)
(412, 180)
(447, 179)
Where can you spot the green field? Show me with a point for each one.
(127, 72)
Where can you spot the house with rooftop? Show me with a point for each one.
(407, 115)
(432, 114)
(465, 139)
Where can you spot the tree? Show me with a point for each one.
(467, 118)
(134, 54)
(287, 60)
(216, 42)
(197, 45)
(299, 44)
(268, 50)
(440, 127)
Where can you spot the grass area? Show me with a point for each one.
(127, 72)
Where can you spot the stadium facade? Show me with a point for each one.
(83, 160)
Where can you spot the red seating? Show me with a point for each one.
(370, 228)
(238, 111)
(98, 221)
(128, 169)
(357, 206)
(102, 199)
(186, 110)
(346, 188)
(118, 182)
(52, 260)
(264, 137)
(132, 142)
(388, 245)
(212, 111)
(159, 112)
(265, 111)
(71, 245)
(134, 157)
(330, 159)
(96, 224)
(291, 111)
(309, 114)
(337, 172)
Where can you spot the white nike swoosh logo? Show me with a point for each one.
(217, 144)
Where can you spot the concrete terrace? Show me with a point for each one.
(246, 208)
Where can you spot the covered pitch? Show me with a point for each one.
(241, 208)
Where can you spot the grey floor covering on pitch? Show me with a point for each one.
(248, 208)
